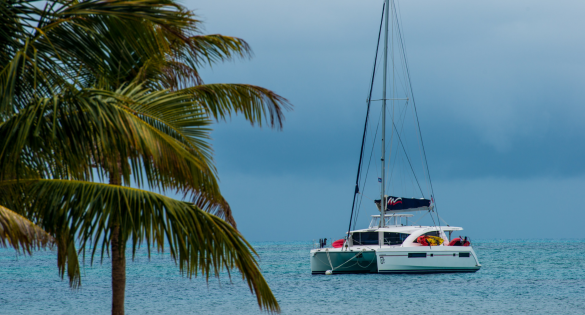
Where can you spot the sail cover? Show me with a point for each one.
(398, 204)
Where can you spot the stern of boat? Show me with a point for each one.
(343, 261)
(427, 259)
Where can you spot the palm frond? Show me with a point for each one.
(79, 132)
(68, 258)
(215, 205)
(81, 96)
(162, 135)
(18, 232)
(46, 48)
(257, 104)
(200, 242)
(215, 47)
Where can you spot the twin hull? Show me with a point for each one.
(423, 259)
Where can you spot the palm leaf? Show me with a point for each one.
(85, 128)
(198, 241)
(20, 233)
(46, 48)
(257, 104)
(70, 109)
(162, 135)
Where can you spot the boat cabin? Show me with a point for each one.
(395, 233)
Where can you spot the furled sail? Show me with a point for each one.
(398, 204)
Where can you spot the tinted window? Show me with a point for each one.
(391, 238)
(433, 233)
(417, 255)
(365, 238)
(463, 254)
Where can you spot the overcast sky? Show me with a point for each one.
(499, 92)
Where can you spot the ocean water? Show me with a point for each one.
(517, 277)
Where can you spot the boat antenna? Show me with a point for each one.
(357, 181)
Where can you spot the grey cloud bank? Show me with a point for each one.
(499, 88)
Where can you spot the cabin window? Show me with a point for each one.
(391, 238)
(463, 254)
(365, 238)
(417, 255)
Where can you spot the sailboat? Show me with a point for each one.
(391, 244)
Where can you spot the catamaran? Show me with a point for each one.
(391, 244)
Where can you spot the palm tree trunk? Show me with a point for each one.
(118, 272)
(118, 260)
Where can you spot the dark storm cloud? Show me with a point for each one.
(499, 90)
(498, 85)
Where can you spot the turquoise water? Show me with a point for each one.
(518, 276)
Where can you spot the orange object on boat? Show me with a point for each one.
(429, 240)
(422, 240)
(338, 243)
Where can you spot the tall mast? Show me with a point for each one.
(383, 200)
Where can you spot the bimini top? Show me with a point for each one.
(399, 204)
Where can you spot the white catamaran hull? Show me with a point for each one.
(343, 261)
(421, 259)
(427, 259)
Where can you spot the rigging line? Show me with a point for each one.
(399, 21)
(374, 141)
(413, 187)
(367, 171)
(359, 202)
(408, 159)
(421, 218)
(393, 162)
(405, 174)
(357, 181)
(367, 197)
(416, 113)
(434, 223)
(394, 169)
(412, 93)
(391, 165)
(402, 114)
(443, 220)
(422, 160)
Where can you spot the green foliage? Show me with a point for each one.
(18, 232)
(199, 241)
(94, 90)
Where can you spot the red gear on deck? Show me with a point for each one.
(422, 240)
(338, 243)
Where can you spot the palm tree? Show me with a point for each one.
(109, 91)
